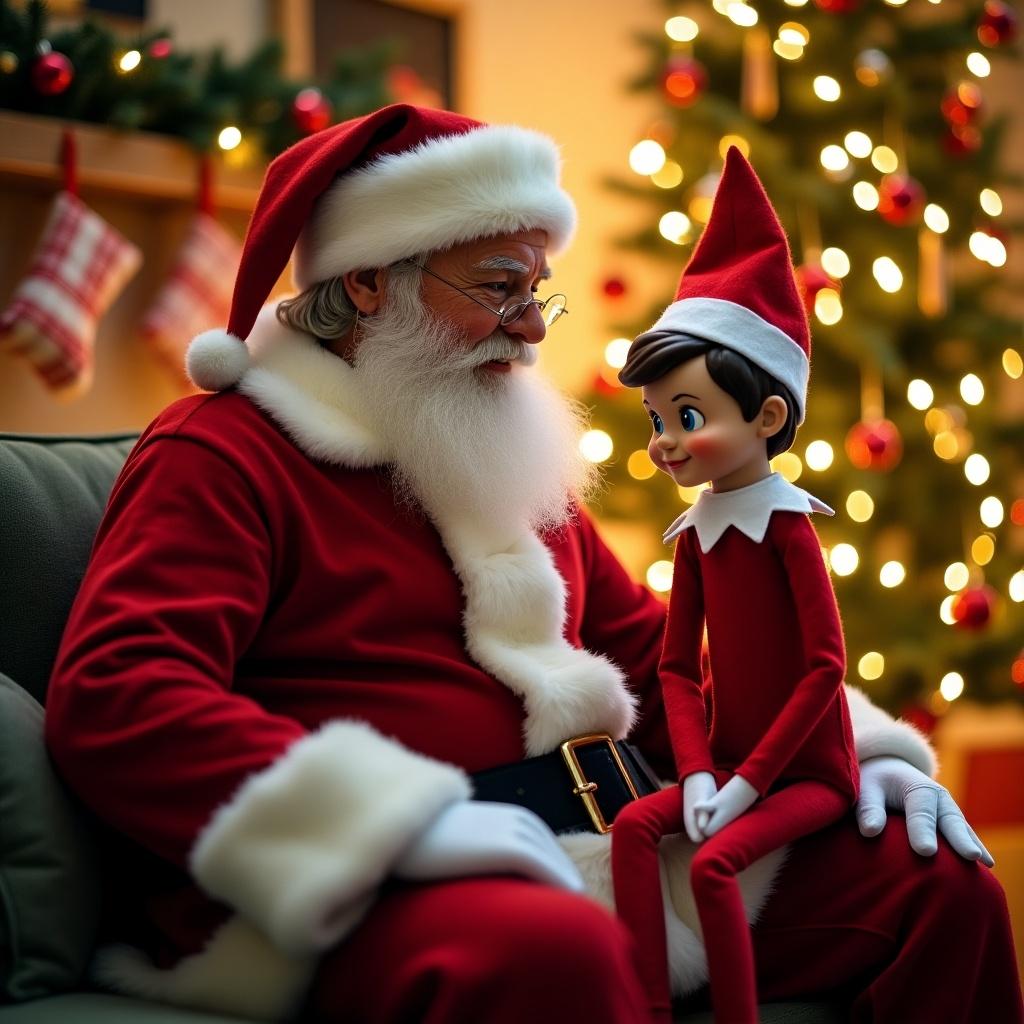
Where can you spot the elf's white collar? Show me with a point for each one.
(747, 508)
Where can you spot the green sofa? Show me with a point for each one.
(52, 493)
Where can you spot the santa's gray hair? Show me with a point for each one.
(325, 310)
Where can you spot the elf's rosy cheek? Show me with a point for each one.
(703, 446)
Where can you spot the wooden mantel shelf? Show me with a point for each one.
(137, 164)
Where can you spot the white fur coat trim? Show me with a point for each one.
(514, 597)
(494, 180)
(238, 973)
(514, 620)
(687, 960)
(310, 393)
(876, 734)
(300, 849)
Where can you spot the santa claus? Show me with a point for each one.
(354, 587)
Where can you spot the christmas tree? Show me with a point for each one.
(867, 123)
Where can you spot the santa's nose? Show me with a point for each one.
(530, 327)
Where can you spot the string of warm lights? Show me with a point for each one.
(229, 137)
(83, 70)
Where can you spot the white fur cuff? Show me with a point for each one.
(876, 734)
(301, 847)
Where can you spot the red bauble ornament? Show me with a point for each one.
(900, 199)
(311, 111)
(961, 140)
(1017, 670)
(810, 279)
(962, 105)
(874, 445)
(52, 73)
(607, 386)
(683, 80)
(161, 48)
(837, 6)
(998, 24)
(614, 287)
(972, 607)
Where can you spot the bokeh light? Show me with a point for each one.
(892, 574)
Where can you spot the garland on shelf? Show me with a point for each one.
(145, 83)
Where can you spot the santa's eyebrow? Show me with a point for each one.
(509, 263)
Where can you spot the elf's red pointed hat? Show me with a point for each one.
(363, 194)
(739, 289)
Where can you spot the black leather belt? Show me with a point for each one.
(581, 786)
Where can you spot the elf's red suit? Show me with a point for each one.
(778, 718)
(725, 372)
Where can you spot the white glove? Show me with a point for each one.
(697, 788)
(735, 797)
(890, 783)
(480, 838)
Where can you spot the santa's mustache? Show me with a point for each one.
(500, 348)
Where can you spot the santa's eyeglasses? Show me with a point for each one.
(550, 308)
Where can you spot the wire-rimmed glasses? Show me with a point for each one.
(550, 308)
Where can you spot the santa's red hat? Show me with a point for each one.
(363, 194)
(739, 289)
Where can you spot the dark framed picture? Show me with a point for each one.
(420, 33)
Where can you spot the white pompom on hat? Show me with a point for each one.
(371, 191)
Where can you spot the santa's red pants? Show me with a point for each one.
(782, 817)
(905, 939)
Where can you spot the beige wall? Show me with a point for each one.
(239, 26)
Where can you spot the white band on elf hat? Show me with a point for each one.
(738, 289)
(492, 181)
(735, 327)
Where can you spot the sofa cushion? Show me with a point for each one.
(49, 871)
(53, 491)
(97, 1008)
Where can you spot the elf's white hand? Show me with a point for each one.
(889, 783)
(481, 838)
(735, 797)
(697, 788)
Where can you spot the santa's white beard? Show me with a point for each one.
(499, 450)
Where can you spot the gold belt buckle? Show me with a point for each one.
(584, 788)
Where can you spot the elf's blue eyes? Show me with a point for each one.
(690, 418)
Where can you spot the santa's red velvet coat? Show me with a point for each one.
(277, 672)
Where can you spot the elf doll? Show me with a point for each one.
(724, 376)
